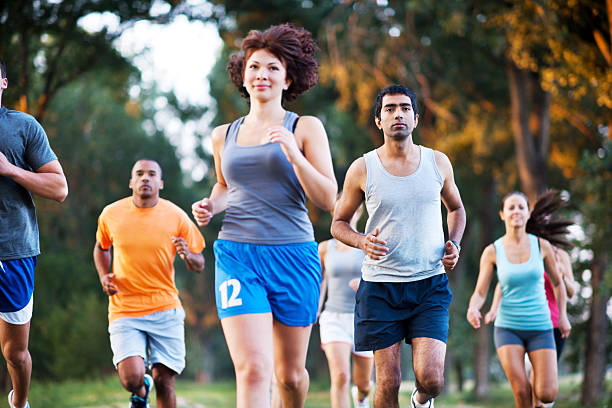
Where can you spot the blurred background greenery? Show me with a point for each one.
(517, 94)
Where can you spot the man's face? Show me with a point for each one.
(397, 119)
(146, 179)
(3, 84)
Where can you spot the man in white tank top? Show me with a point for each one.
(403, 293)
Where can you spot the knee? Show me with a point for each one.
(431, 385)
(164, 384)
(16, 357)
(523, 393)
(132, 382)
(341, 378)
(290, 379)
(363, 385)
(546, 394)
(253, 372)
(389, 385)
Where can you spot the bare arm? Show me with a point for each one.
(48, 181)
(351, 199)
(314, 167)
(102, 261)
(492, 313)
(454, 206)
(322, 252)
(193, 261)
(564, 265)
(487, 262)
(557, 284)
(206, 208)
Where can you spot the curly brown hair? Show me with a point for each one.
(294, 46)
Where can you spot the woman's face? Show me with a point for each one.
(515, 212)
(265, 76)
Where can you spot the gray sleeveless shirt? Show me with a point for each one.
(407, 210)
(340, 268)
(265, 201)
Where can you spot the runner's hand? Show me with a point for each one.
(564, 327)
(354, 283)
(107, 284)
(451, 256)
(286, 139)
(182, 249)
(473, 317)
(490, 316)
(5, 165)
(202, 211)
(373, 246)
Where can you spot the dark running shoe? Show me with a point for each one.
(139, 402)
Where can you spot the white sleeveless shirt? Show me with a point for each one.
(407, 210)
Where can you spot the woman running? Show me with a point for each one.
(341, 267)
(523, 323)
(267, 270)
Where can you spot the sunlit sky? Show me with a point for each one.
(174, 57)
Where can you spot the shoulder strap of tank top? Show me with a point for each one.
(232, 130)
(290, 121)
(536, 244)
(499, 250)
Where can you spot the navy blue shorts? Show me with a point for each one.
(282, 279)
(530, 339)
(559, 342)
(387, 312)
(16, 283)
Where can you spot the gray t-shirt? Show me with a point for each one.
(24, 143)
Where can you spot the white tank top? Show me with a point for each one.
(407, 210)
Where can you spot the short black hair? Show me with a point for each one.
(394, 89)
(149, 160)
(2, 69)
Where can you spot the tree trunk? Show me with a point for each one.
(487, 214)
(595, 353)
(530, 107)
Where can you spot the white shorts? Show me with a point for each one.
(159, 338)
(339, 328)
(21, 316)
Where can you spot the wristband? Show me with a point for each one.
(456, 244)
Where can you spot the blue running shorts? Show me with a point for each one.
(387, 312)
(16, 283)
(159, 338)
(280, 279)
(530, 339)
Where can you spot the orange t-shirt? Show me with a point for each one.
(143, 254)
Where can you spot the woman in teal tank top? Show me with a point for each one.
(267, 269)
(523, 323)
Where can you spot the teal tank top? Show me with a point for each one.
(523, 304)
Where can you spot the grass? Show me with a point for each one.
(107, 393)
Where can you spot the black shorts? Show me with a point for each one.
(387, 312)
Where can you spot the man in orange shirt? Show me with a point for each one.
(145, 314)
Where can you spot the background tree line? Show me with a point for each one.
(518, 94)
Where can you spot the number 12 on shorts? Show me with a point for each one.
(233, 300)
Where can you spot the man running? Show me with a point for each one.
(145, 314)
(27, 166)
(404, 291)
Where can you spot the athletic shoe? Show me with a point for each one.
(139, 402)
(365, 403)
(414, 402)
(10, 400)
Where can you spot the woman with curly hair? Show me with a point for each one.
(523, 323)
(267, 269)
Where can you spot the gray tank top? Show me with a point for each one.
(408, 212)
(265, 201)
(340, 268)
